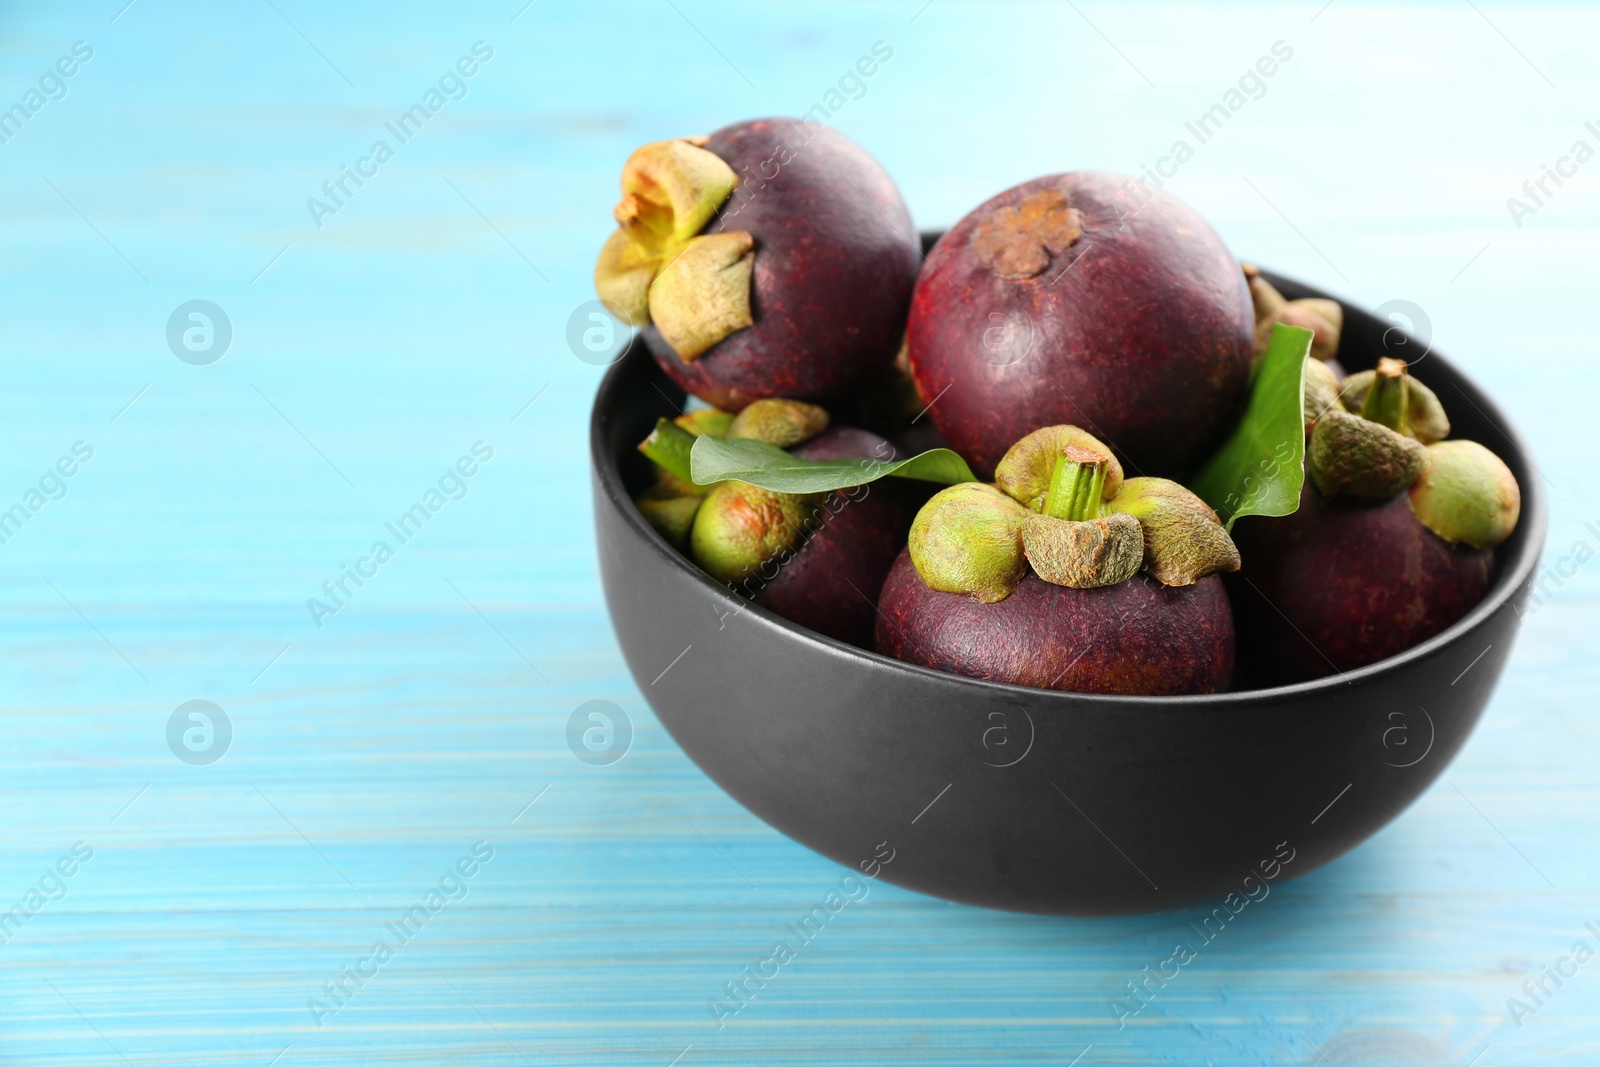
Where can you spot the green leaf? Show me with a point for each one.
(668, 447)
(713, 460)
(1261, 467)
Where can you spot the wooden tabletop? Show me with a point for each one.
(374, 844)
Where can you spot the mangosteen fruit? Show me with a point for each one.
(1344, 583)
(1135, 637)
(1392, 541)
(889, 405)
(752, 523)
(1036, 580)
(774, 258)
(1075, 298)
(830, 582)
(816, 559)
(740, 527)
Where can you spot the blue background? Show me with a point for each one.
(431, 312)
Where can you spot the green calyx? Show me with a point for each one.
(668, 448)
(1070, 543)
(780, 423)
(732, 529)
(1061, 504)
(968, 539)
(1030, 466)
(1183, 539)
(706, 422)
(739, 528)
(1466, 495)
(658, 267)
(672, 502)
(1370, 441)
(670, 513)
(1353, 456)
(1321, 392)
(776, 421)
(1390, 396)
(1384, 434)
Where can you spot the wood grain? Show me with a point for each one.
(426, 314)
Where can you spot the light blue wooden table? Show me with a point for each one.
(209, 903)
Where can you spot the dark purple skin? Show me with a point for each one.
(845, 442)
(1136, 637)
(832, 582)
(1339, 585)
(1141, 332)
(835, 259)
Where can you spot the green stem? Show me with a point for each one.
(668, 448)
(1389, 395)
(1077, 485)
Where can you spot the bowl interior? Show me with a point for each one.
(635, 393)
(843, 748)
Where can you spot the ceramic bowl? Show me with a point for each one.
(1030, 800)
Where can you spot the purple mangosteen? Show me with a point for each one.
(818, 559)
(774, 258)
(1083, 298)
(1392, 541)
(1036, 580)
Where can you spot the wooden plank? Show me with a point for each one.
(429, 313)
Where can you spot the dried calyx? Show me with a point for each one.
(1060, 503)
(730, 529)
(1018, 242)
(1323, 317)
(658, 267)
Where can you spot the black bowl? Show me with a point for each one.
(1039, 801)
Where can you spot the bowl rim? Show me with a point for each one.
(1532, 521)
